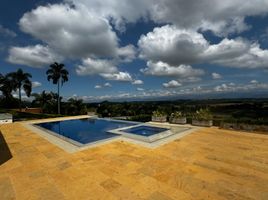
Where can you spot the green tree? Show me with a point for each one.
(20, 80)
(57, 74)
(42, 99)
(76, 106)
(5, 86)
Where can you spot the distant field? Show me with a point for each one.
(250, 111)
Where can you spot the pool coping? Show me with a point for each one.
(72, 146)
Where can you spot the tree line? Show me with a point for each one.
(50, 102)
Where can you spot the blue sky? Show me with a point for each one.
(135, 50)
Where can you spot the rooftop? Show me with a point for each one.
(208, 164)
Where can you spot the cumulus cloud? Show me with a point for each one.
(36, 84)
(33, 56)
(172, 84)
(176, 46)
(253, 57)
(127, 53)
(163, 69)
(241, 87)
(73, 31)
(140, 89)
(103, 86)
(137, 82)
(127, 11)
(172, 45)
(118, 76)
(104, 68)
(95, 66)
(216, 76)
(183, 92)
(223, 18)
(254, 82)
(107, 84)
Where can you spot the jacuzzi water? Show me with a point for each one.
(145, 130)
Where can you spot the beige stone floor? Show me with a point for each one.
(207, 164)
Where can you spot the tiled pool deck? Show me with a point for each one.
(207, 164)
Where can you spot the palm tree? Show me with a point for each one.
(42, 99)
(6, 86)
(57, 74)
(21, 80)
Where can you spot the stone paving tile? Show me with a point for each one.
(208, 164)
(158, 196)
(6, 189)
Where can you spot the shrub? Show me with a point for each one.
(140, 118)
(158, 113)
(177, 114)
(203, 114)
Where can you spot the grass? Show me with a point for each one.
(21, 116)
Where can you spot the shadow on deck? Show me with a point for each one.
(5, 153)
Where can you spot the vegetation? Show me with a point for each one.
(239, 111)
(75, 107)
(19, 116)
(47, 101)
(21, 80)
(253, 111)
(57, 74)
(159, 113)
(203, 114)
(177, 114)
(6, 88)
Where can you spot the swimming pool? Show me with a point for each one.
(86, 130)
(79, 133)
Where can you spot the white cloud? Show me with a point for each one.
(36, 84)
(172, 45)
(172, 84)
(102, 86)
(7, 32)
(127, 11)
(118, 76)
(107, 85)
(254, 82)
(253, 57)
(176, 46)
(95, 66)
(241, 87)
(164, 69)
(182, 92)
(137, 82)
(73, 31)
(216, 76)
(221, 17)
(140, 89)
(34, 56)
(127, 53)
(104, 68)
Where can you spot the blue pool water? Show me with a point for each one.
(85, 130)
(145, 130)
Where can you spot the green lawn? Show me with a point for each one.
(21, 116)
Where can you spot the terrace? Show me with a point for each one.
(210, 163)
